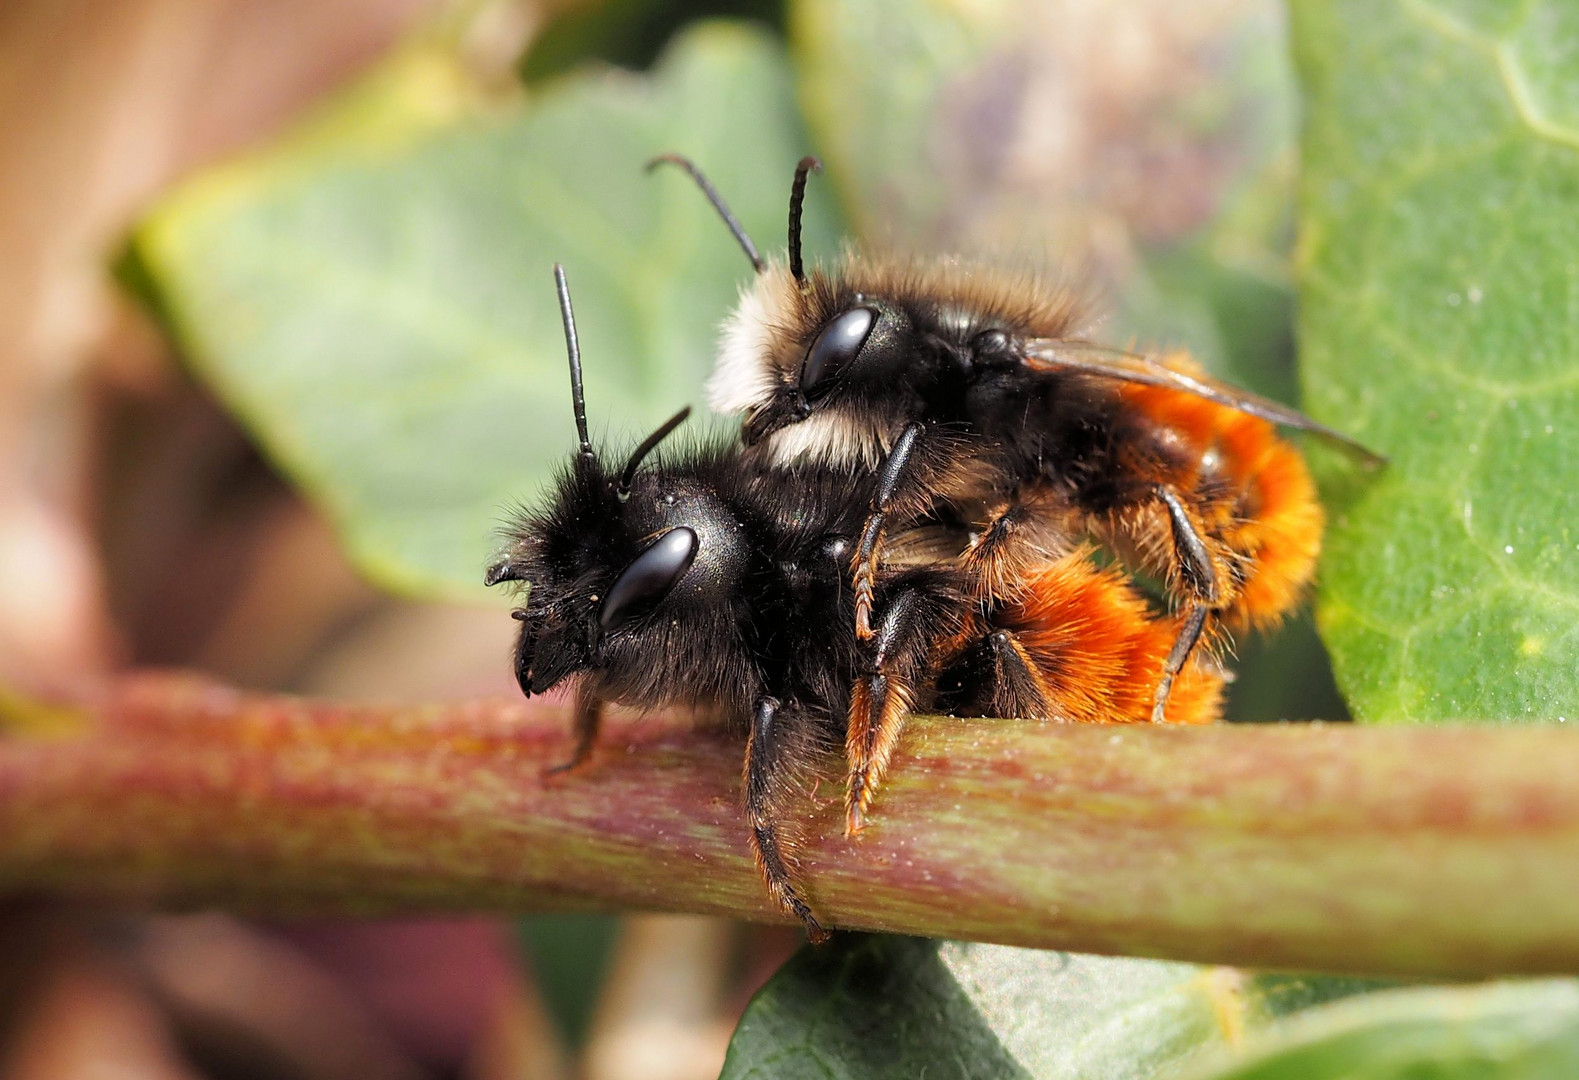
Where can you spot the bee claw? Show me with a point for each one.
(863, 607)
(576, 762)
(858, 803)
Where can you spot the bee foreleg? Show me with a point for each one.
(588, 717)
(881, 700)
(767, 751)
(869, 551)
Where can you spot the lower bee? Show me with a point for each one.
(885, 363)
(697, 578)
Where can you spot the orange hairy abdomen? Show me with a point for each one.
(1099, 649)
(1257, 502)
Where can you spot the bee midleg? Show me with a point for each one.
(767, 755)
(1199, 575)
(1018, 534)
(870, 548)
(1017, 688)
(588, 718)
(882, 696)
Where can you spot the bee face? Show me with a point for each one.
(575, 634)
(847, 360)
(604, 568)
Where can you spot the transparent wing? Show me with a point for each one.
(1049, 354)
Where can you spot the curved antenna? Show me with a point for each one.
(797, 199)
(646, 447)
(573, 347)
(735, 228)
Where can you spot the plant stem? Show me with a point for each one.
(1432, 851)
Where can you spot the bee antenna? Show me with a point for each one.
(797, 198)
(647, 445)
(577, 401)
(733, 223)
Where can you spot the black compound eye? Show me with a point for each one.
(838, 344)
(990, 343)
(649, 577)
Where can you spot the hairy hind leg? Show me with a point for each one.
(1201, 579)
(1018, 689)
(882, 697)
(769, 750)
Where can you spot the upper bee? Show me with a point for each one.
(830, 366)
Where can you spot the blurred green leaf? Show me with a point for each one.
(374, 301)
(1510, 1031)
(569, 958)
(868, 1007)
(1438, 321)
(865, 1007)
(1016, 129)
(630, 33)
(875, 79)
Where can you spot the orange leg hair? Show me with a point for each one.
(1074, 643)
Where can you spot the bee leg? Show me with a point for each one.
(995, 560)
(588, 717)
(1017, 689)
(1195, 563)
(867, 554)
(881, 700)
(1183, 645)
(766, 751)
(1199, 575)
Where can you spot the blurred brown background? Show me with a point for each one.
(137, 526)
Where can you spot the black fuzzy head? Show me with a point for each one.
(615, 567)
(613, 557)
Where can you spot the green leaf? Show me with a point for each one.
(869, 1007)
(569, 958)
(373, 298)
(1510, 1031)
(865, 1007)
(1439, 324)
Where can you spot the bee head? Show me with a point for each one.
(615, 566)
(610, 552)
(818, 368)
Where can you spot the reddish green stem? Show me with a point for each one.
(1407, 850)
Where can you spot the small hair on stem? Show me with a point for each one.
(735, 228)
(578, 401)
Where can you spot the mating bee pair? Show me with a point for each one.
(928, 457)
